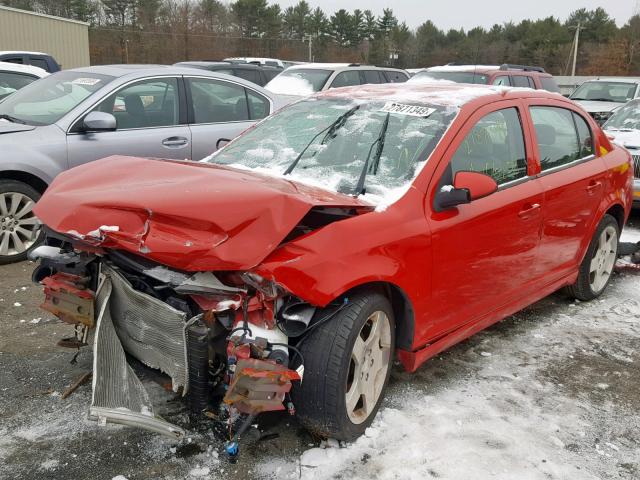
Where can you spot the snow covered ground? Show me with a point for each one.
(552, 392)
(535, 402)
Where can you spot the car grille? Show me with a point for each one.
(636, 166)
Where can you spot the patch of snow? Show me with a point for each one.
(119, 477)
(17, 304)
(199, 472)
(51, 464)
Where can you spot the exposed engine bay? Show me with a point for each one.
(227, 340)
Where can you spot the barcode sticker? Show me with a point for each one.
(403, 109)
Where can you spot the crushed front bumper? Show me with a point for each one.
(151, 331)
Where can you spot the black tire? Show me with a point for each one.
(582, 289)
(8, 186)
(320, 398)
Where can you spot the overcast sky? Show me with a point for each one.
(471, 13)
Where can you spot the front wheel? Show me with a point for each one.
(597, 267)
(347, 366)
(19, 227)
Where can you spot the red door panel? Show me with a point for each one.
(483, 251)
(573, 191)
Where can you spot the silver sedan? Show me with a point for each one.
(77, 116)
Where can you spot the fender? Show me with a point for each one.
(328, 262)
(619, 190)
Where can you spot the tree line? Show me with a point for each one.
(165, 31)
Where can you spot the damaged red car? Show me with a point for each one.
(289, 269)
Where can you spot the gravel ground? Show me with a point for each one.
(549, 393)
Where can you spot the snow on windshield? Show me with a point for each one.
(340, 145)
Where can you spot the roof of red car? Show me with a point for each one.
(438, 93)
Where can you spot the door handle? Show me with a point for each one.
(529, 210)
(220, 140)
(593, 187)
(174, 141)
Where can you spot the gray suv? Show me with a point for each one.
(77, 116)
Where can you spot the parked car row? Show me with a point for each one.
(289, 268)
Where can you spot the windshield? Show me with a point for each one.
(46, 101)
(620, 92)
(299, 81)
(331, 142)
(625, 118)
(458, 77)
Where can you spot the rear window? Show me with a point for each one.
(549, 84)
(395, 77)
(251, 75)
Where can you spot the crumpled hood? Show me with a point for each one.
(190, 216)
(10, 127)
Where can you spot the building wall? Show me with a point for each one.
(67, 40)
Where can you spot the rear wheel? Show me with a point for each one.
(19, 227)
(347, 365)
(597, 267)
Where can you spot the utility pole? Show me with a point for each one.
(309, 38)
(576, 40)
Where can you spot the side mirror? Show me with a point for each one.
(478, 184)
(467, 186)
(99, 122)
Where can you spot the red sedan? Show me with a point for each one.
(289, 268)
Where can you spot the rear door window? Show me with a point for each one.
(521, 81)
(502, 80)
(372, 76)
(557, 137)
(214, 101)
(495, 147)
(347, 78)
(19, 60)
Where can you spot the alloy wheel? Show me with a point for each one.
(370, 362)
(19, 227)
(604, 259)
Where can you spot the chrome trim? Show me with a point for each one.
(566, 165)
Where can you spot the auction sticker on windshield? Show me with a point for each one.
(402, 109)
(86, 81)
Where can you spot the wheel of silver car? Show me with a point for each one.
(347, 363)
(368, 367)
(597, 267)
(19, 227)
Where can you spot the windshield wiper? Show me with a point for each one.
(12, 119)
(330, 133)
(376, 159)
